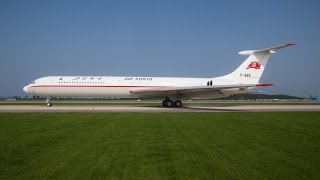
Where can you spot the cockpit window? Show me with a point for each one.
(33, 82)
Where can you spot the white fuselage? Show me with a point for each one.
(120, 87)
(245, 77)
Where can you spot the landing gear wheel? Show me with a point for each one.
(49, 104)
(178, 103)
(169, 103)
(164, 103)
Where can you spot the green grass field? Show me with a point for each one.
(160, 145)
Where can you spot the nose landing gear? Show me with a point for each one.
(48, 103)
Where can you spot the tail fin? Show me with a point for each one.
(250, 71)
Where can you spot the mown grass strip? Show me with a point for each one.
(281, 145)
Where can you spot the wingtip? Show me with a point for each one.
(291, 44)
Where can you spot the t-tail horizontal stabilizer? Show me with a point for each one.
(270, 50)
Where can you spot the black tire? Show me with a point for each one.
(164, 103)
(178, 103)
(49, 104)
(169, 103)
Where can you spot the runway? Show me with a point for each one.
(144, 109)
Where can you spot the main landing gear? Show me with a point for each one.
(169, 103)
(48, 103)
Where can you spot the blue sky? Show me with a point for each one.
(186, 38)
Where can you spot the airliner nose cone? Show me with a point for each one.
(25, 89)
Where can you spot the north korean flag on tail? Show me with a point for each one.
(254, 64)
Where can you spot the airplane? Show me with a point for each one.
(171, 89)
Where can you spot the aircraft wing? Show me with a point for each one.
(184, 91)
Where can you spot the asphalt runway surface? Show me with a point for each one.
(97, 108)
